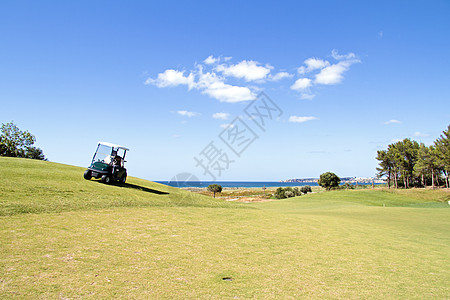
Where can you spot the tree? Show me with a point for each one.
(279, 193)
(386, 165)
(442, 146)
(289, 193)
(428, 165)
(405, 156)
(14, 141)
(347, 186)
(397, 162)
(306, 189)
(215, 188)
(34, 153)
(329, 180)
(394, 158)
(297, 191)
(415, 164)
(422, 166)
(17, 143)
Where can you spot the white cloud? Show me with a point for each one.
(296, 119)
(225, 126)
(171, 78)
(318, 71)
(392, 122)
(229, 93)
(207, 79)
(214, 86)
(221, 116)
(208, 83)
(380, 34)
(301, 70)
(211, 77)
(333, 74)
(281, 75)
(211, 60)
(314, 63)
(301, 84)
(306, 96)
(337, 56)
(186, 113)
(249, 70)
(420, 134)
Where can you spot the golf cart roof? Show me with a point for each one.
(114, 145)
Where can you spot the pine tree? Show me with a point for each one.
(442, 146)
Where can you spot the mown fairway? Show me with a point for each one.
(64, 237)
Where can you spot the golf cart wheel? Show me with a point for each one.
(106, 179)
(87, 175)
(124, 178)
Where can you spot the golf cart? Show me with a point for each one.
(108, 163)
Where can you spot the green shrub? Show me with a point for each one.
(306, 189)
(279, 193)
(329, 181)
(214, 188)
(347, 186)
(297, 192)
(282, 193)
(289, 194)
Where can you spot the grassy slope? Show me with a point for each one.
(327, 245)
(30, 186)
(419, 198)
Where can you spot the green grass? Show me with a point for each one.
(334, 245)
(378, 197)
(30, 186)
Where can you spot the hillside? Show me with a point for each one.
(34, 186)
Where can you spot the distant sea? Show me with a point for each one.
(235, 184)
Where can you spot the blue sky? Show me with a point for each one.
(163, 78)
